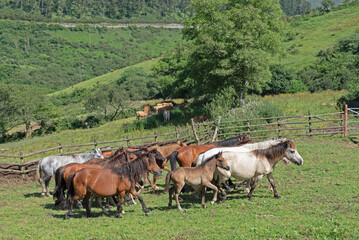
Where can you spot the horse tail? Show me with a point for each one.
(167, 182)
(70, 187)
(60, 185)
(38, 170)
(173, 160)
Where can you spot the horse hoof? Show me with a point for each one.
(204, 206)
(212, 202)
(106, 213)
(147, 213)
(123, 212)
(118, 216)
(277, 196)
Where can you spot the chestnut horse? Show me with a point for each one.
(166, 151)
(187, 156)
(109, 182)
(199, 178)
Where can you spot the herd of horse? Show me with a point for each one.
(123, 174)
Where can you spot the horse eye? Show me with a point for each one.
(292, 151)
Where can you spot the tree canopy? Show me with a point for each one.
(231, 43)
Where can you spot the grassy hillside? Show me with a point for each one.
(55, 57)
(106, 78)
(318, 3)
(312, 33)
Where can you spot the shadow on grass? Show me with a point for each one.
(30, 195)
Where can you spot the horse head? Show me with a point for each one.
(291, 152)
(152, 165)
(221, 162)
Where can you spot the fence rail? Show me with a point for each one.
(205, 132)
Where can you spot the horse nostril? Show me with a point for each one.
(228, 168)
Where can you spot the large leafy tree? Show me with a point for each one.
(232, 43)
(20, 104)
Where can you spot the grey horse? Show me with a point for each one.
(48, 166)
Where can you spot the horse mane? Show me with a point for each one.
(275, 151)
(114, 161)
(233, 141)
(208, 160)
(133, 171)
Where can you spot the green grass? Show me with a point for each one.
(315, 33)
(107, 78)
(319, 201)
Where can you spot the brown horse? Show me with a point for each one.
(186, 156)
(199, 177)
(62, 173)
(109, 182)
(166, 151)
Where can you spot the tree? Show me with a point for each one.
(327, 4)
(109, 99)
(232, 43)
(20, 104)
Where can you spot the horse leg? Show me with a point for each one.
(223, 195)
(154, 183)
(178, 188)
(98, 200)
(215, 189)
(253, 186)
(246, 188)
(271, 181)
(144, 208)
(119, 204)
(87, 205)
(44, 181)
(204, 191)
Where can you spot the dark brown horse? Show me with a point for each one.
(199, 178)
(109, 182)
(62, 173)
(186, 156)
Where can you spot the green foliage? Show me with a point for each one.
(138, 84)
(111, 100)
(351, 98)
(95, 11)
(295, 7)
(327, 4)
(58, 57)
(20, 105)
(222, 103)
(232, 43)
(283, 81)
(336, 68)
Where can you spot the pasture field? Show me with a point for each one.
(320, 200)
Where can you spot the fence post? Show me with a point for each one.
(310, 123)
(248, 127)
(95, 143)
(194, 131)
(177, 134)
(128, 142)
(278, 126)
(60, 149)
(22, 165)
(216, 129)
(156, 137)
(346, 120)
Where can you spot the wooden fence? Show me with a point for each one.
(201, 133)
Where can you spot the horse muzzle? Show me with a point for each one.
(158, 173)
(227, 168)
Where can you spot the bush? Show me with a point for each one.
(351, 99)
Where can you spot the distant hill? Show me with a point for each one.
(317, 3)
(311, 33)
(55, 57)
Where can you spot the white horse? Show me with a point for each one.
(47, 167)
(166, 116)
(244, 148)
(253, 164)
